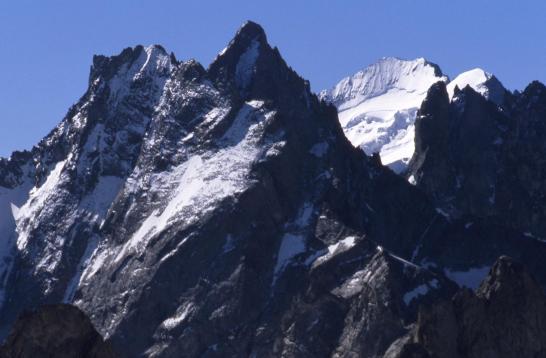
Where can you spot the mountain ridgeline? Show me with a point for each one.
(222, 212)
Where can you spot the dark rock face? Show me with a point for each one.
(476, 157)
(222, 212)
(506, 317)
(55, 331)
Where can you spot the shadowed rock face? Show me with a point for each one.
(506, 317)
(61, 331)
(475, 157)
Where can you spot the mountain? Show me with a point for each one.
(480, 81)
(222, 212)
(474, 157)
(506, 317)
(378, 106)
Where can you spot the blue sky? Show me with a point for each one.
(46, 46)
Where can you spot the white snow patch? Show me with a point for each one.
(354, 284)
(335, 249)
(101, 198)
(420, 290)
(179, 317)
(471, 278)
(293, 242)
(474, 78)
(97, 260)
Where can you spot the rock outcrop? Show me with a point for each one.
(506, 317)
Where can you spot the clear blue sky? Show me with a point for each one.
(46, 46)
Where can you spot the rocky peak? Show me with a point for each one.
(12, 169)
(509, 280)
(237, 63)
(471, 153)
(144, 59)
(250, 68)
(505, 318)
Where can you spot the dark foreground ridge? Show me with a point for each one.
(61, 331)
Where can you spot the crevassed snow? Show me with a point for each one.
(205, 179)
(245, 66)
(377, 106)
(471, 278)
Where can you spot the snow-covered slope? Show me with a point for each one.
(482, 82)
(377, 106)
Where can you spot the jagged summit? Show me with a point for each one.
(250, 30)
(535, 89)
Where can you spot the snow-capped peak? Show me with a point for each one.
(481, 81)
(389, 73)
(377, 106)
